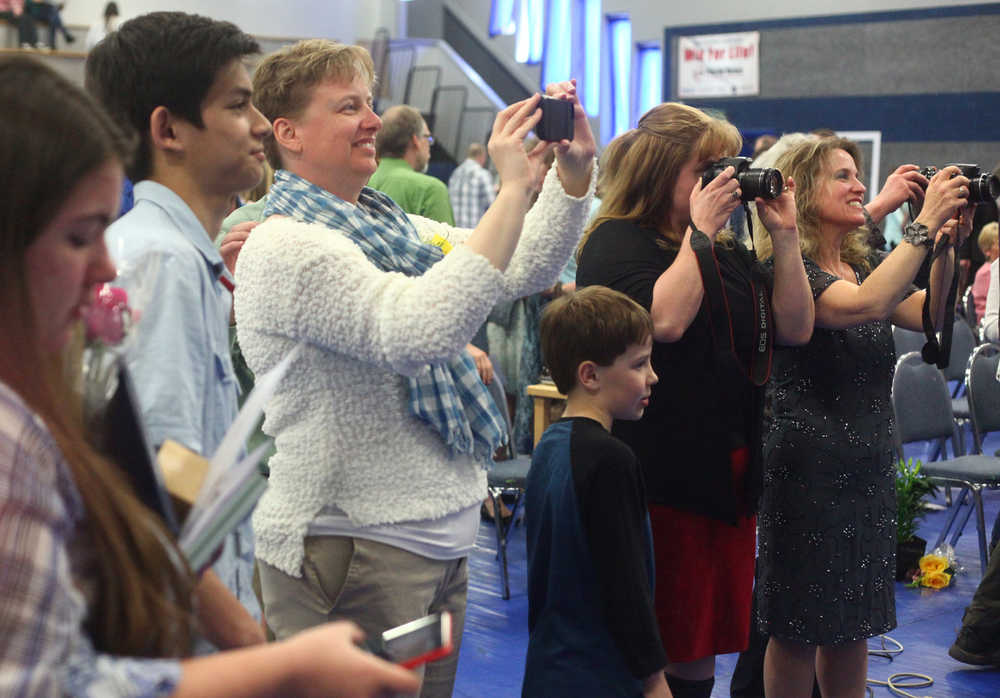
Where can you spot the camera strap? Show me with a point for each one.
(933, 351)
(720, 317)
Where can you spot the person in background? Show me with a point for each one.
(15, 13)
(591, 620)
(179, 83)
(403, 149)
(989, 325)
(699, 440)
(470, 188)
(95, 598)
(970, 256)
(104, 26)
(980, 286)
(827, 545)
(382, 426)
(50, 13)
(762, 144)
(978, 640)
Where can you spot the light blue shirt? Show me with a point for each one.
(179, 354)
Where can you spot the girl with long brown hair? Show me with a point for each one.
(95, 598)
(698, 441)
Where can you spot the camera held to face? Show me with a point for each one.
(766, 183)
(983, 186)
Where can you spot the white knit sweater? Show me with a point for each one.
(341, 419)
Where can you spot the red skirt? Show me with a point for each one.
(704, 582)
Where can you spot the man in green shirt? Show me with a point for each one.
(403, 148)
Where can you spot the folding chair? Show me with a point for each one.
(922, 405)
(986, 413)
(963, 343)
(906, 340)
(508, 476)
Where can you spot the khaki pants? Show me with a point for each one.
(375, 585)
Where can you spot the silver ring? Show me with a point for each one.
(736, 194)
(962, 191)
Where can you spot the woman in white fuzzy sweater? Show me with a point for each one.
(383, 428)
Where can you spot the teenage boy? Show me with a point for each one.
(593, 630)
(179, 82)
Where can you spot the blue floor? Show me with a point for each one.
(491, 663)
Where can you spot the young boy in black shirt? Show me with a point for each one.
(593, 630)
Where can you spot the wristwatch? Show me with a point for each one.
(917, 235)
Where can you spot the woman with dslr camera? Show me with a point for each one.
(699, 440)
(827, 522)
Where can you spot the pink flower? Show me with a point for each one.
(108, 317)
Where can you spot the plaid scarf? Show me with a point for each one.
(449, 396)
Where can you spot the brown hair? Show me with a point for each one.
(640, 167)
(593, 324)
(806, 164)
(284, 80)
(399, 125)
(58, 135)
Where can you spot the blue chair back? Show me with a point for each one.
(984, 392)
(921, 401)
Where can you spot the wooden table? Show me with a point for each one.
(543, 394)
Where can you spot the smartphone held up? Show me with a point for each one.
(556, 123)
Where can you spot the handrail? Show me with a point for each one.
(445, 107)
(408, 96)
(464, 98)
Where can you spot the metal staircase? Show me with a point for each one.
(428, 75)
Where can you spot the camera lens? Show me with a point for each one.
(764, 183)
(983, 189)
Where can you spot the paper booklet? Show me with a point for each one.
(232, 485)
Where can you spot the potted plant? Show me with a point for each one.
(911, 487)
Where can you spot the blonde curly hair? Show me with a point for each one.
(805, 163)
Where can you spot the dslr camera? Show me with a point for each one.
(983, 186)
(766, 183)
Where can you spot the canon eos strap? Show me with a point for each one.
(720, 317)
(934, 352)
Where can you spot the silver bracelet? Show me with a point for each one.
(917, 235)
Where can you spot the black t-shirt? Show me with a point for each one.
(592, 622)
(701, 410)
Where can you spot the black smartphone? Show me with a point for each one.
(417, 642)
(557, 120)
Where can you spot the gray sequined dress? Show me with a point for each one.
(827, 524)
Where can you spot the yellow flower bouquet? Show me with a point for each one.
(936, 569)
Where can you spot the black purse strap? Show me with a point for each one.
(720, 316)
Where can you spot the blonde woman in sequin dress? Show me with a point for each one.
(827, 526)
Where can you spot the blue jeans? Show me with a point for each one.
(27, 33)
(49, 14)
